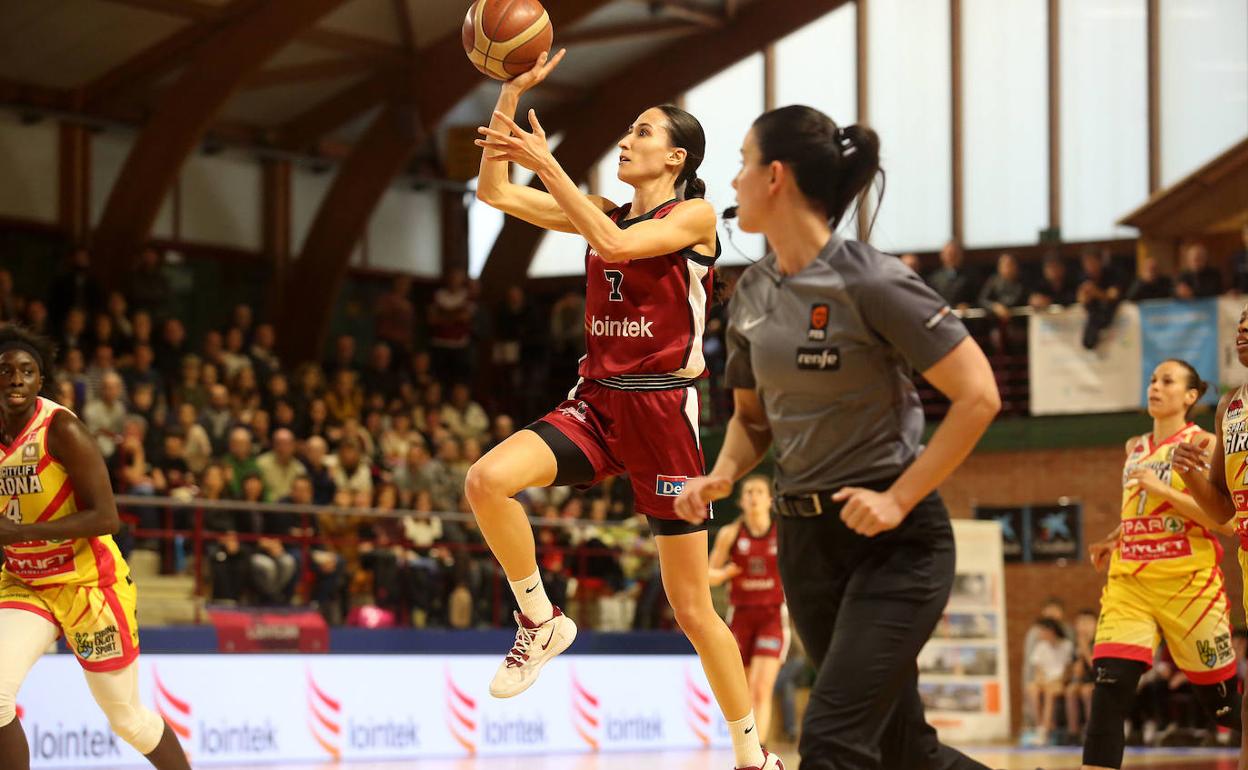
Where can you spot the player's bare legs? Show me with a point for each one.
(762, 675)
(523, 460)
(543, 631)
(24, 637)
(168, 754)
(684, 562)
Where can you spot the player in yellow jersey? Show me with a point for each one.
(1220, 483)
(1164, 579)
(62, 572)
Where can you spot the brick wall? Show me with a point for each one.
(1089, 475)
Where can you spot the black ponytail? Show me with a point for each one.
(686, 132)
(834, 167)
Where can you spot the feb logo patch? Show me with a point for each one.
(818, 329)
(669, 486)
(30, 452)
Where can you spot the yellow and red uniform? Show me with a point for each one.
(82, 585)
(1235, 450)
(1164, 579)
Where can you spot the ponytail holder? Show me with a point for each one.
(845, 142)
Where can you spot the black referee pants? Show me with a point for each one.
(864, 608)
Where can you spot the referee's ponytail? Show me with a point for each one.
(834, 167)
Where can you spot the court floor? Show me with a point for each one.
(1007, 759)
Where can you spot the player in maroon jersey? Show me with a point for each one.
(745, 553)
(647, 286)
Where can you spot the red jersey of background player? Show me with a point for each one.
(646, 316)
(758, 585)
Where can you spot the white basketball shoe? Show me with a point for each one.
(770, 762)
(535, 645)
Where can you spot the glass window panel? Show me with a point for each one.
(727, 105)
(1204, 82)
(909, 107)
(1104, 115)
(818, 66)
(1005, 113)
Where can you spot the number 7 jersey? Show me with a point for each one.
(35, 487)
(644, 318)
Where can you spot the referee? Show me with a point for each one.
(823, 335)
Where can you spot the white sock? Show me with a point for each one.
(531, 596)
(745, 742)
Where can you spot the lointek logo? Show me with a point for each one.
(698, 702)
(586, 717)
(461, 715)
(620, 327)
(324, 719)
(175, 711)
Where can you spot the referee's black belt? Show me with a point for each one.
(812, 504)
(805, 506)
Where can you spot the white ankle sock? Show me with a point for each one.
(745, 742)
(532, 598)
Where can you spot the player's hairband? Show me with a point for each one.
(26, 346)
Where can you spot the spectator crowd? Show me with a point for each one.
(393, 427)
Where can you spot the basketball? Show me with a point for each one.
(503, 38)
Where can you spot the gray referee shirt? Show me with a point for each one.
(830, 352)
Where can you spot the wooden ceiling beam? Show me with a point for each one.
(418, 104)
(185, 112)
(310, 72)
(343, 42)
(617, 32)
(403, 21)
(139, 72)
(683, 9)
(321, 119)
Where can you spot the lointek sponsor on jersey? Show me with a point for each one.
(83, 742)
(621, 327)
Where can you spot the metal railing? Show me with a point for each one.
(198, 535)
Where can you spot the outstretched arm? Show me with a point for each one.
(494, 185)
(691, 224)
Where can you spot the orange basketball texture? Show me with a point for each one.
(503, 38)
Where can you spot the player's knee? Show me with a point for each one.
(1112, 696)
(1222, 701)
(693, 618)
(486, 481)
(8, 707)
(138, 726)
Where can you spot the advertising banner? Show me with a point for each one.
(963, 671)
(1182, 329)
(1067, 378)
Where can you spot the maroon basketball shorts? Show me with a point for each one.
(650, 435)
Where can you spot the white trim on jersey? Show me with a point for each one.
(698, 307)
(691, 413)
